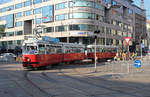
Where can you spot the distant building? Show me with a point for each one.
(140, 27)
(69, 20)
(148, 32)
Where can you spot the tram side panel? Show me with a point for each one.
(72, 53)
(53, 55)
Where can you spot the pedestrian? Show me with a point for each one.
(133, 55)
(123, 56)
(116, 57)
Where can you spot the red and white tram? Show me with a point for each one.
(102, 51)
(39, 53)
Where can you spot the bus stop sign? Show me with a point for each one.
(137, 63)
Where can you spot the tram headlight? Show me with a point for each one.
(28, 60)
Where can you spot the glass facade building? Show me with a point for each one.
(69, 20)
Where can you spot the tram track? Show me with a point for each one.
(16, 81)
(35, 85)
(135, 88)
(109, 83)
(97, 85)
(77, 90)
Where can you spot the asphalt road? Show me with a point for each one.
(70, 81)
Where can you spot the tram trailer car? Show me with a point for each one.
(102, 52)
(38, 53)
(73, 52)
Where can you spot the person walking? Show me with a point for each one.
(123, 56)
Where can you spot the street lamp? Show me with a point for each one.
(96, 32)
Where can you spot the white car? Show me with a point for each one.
(8, 57)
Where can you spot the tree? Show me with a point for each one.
(2, 30)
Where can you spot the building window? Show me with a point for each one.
(83, 15)
(82, 27)
(61, 5)
(45, 0)
(119, 33)
(81, 3)
(125, 34)
(114, 2)
(38, 21)
(37, 11)
(84, 3)
(10, 42)
(3, 18)
(3, 9)
(18, 42)
(10, 21)
(61, 17)
(107, 1)
(19, 33)
(47, 13)
(27, 3)
(18, 24)
(10, 33)
(9, 8)
(18, 14)
(130, 11)
(19, 5)
(109, 41)
(60, 28)
(108, 30)
(27, 13)
(49, 29)
(37, 1)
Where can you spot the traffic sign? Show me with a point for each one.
(127, 40)
(137, 63)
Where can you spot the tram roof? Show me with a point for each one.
(102, 46)
(34, 41)
(72, 44)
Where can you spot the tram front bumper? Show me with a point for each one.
(30, 64)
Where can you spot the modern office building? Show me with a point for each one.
(69, 20)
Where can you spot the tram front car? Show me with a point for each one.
(30, 54)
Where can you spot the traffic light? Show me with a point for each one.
(96, 31)
(95, 37)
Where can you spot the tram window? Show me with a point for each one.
(58, 50)
(82, 50)
(30, 50)
(90, 50)
(41, 49)
(68, 50)
(74, 50)
(51, 50)
(47, 49)
(78, 50)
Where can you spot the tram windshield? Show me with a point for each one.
(30, 50)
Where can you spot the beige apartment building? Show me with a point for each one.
(69, 20)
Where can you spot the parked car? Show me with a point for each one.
(8, 57)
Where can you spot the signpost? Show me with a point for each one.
(137, 63)
(127, 40)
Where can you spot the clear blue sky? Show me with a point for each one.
(146, 5)
(137, 2)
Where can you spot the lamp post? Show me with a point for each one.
(96, 32)
(95, 61)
